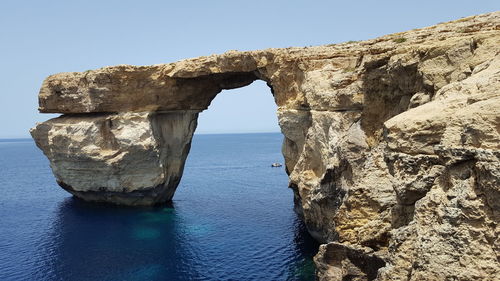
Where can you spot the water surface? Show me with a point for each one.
(231, 219)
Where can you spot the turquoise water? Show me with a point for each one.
(231, 219)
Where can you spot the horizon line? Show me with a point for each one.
(201, 133)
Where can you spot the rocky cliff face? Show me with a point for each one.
(123, 158)
(391, 144)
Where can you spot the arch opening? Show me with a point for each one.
(232, 197)
(249, 109)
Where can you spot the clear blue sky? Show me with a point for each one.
(39, 38)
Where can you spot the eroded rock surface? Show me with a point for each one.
(391, 144)
(122, 158)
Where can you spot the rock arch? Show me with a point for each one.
(371, 128)
(126, 130)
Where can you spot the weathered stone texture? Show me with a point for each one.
(124, 158)
(391, 144)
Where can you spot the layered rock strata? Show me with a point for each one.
(123, 158)
(391, 144)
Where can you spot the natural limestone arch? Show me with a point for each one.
(389, 143)
(155, 111)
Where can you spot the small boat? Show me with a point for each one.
(276, 165)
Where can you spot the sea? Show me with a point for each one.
(231, 218)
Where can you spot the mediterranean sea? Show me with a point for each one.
(231, 218)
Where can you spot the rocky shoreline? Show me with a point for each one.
(391, 144)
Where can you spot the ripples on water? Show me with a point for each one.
(232, 219)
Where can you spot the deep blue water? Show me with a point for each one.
(231, 219)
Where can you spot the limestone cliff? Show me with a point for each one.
(391, 144)
(123, 158)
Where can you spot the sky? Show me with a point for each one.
(39, 38)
